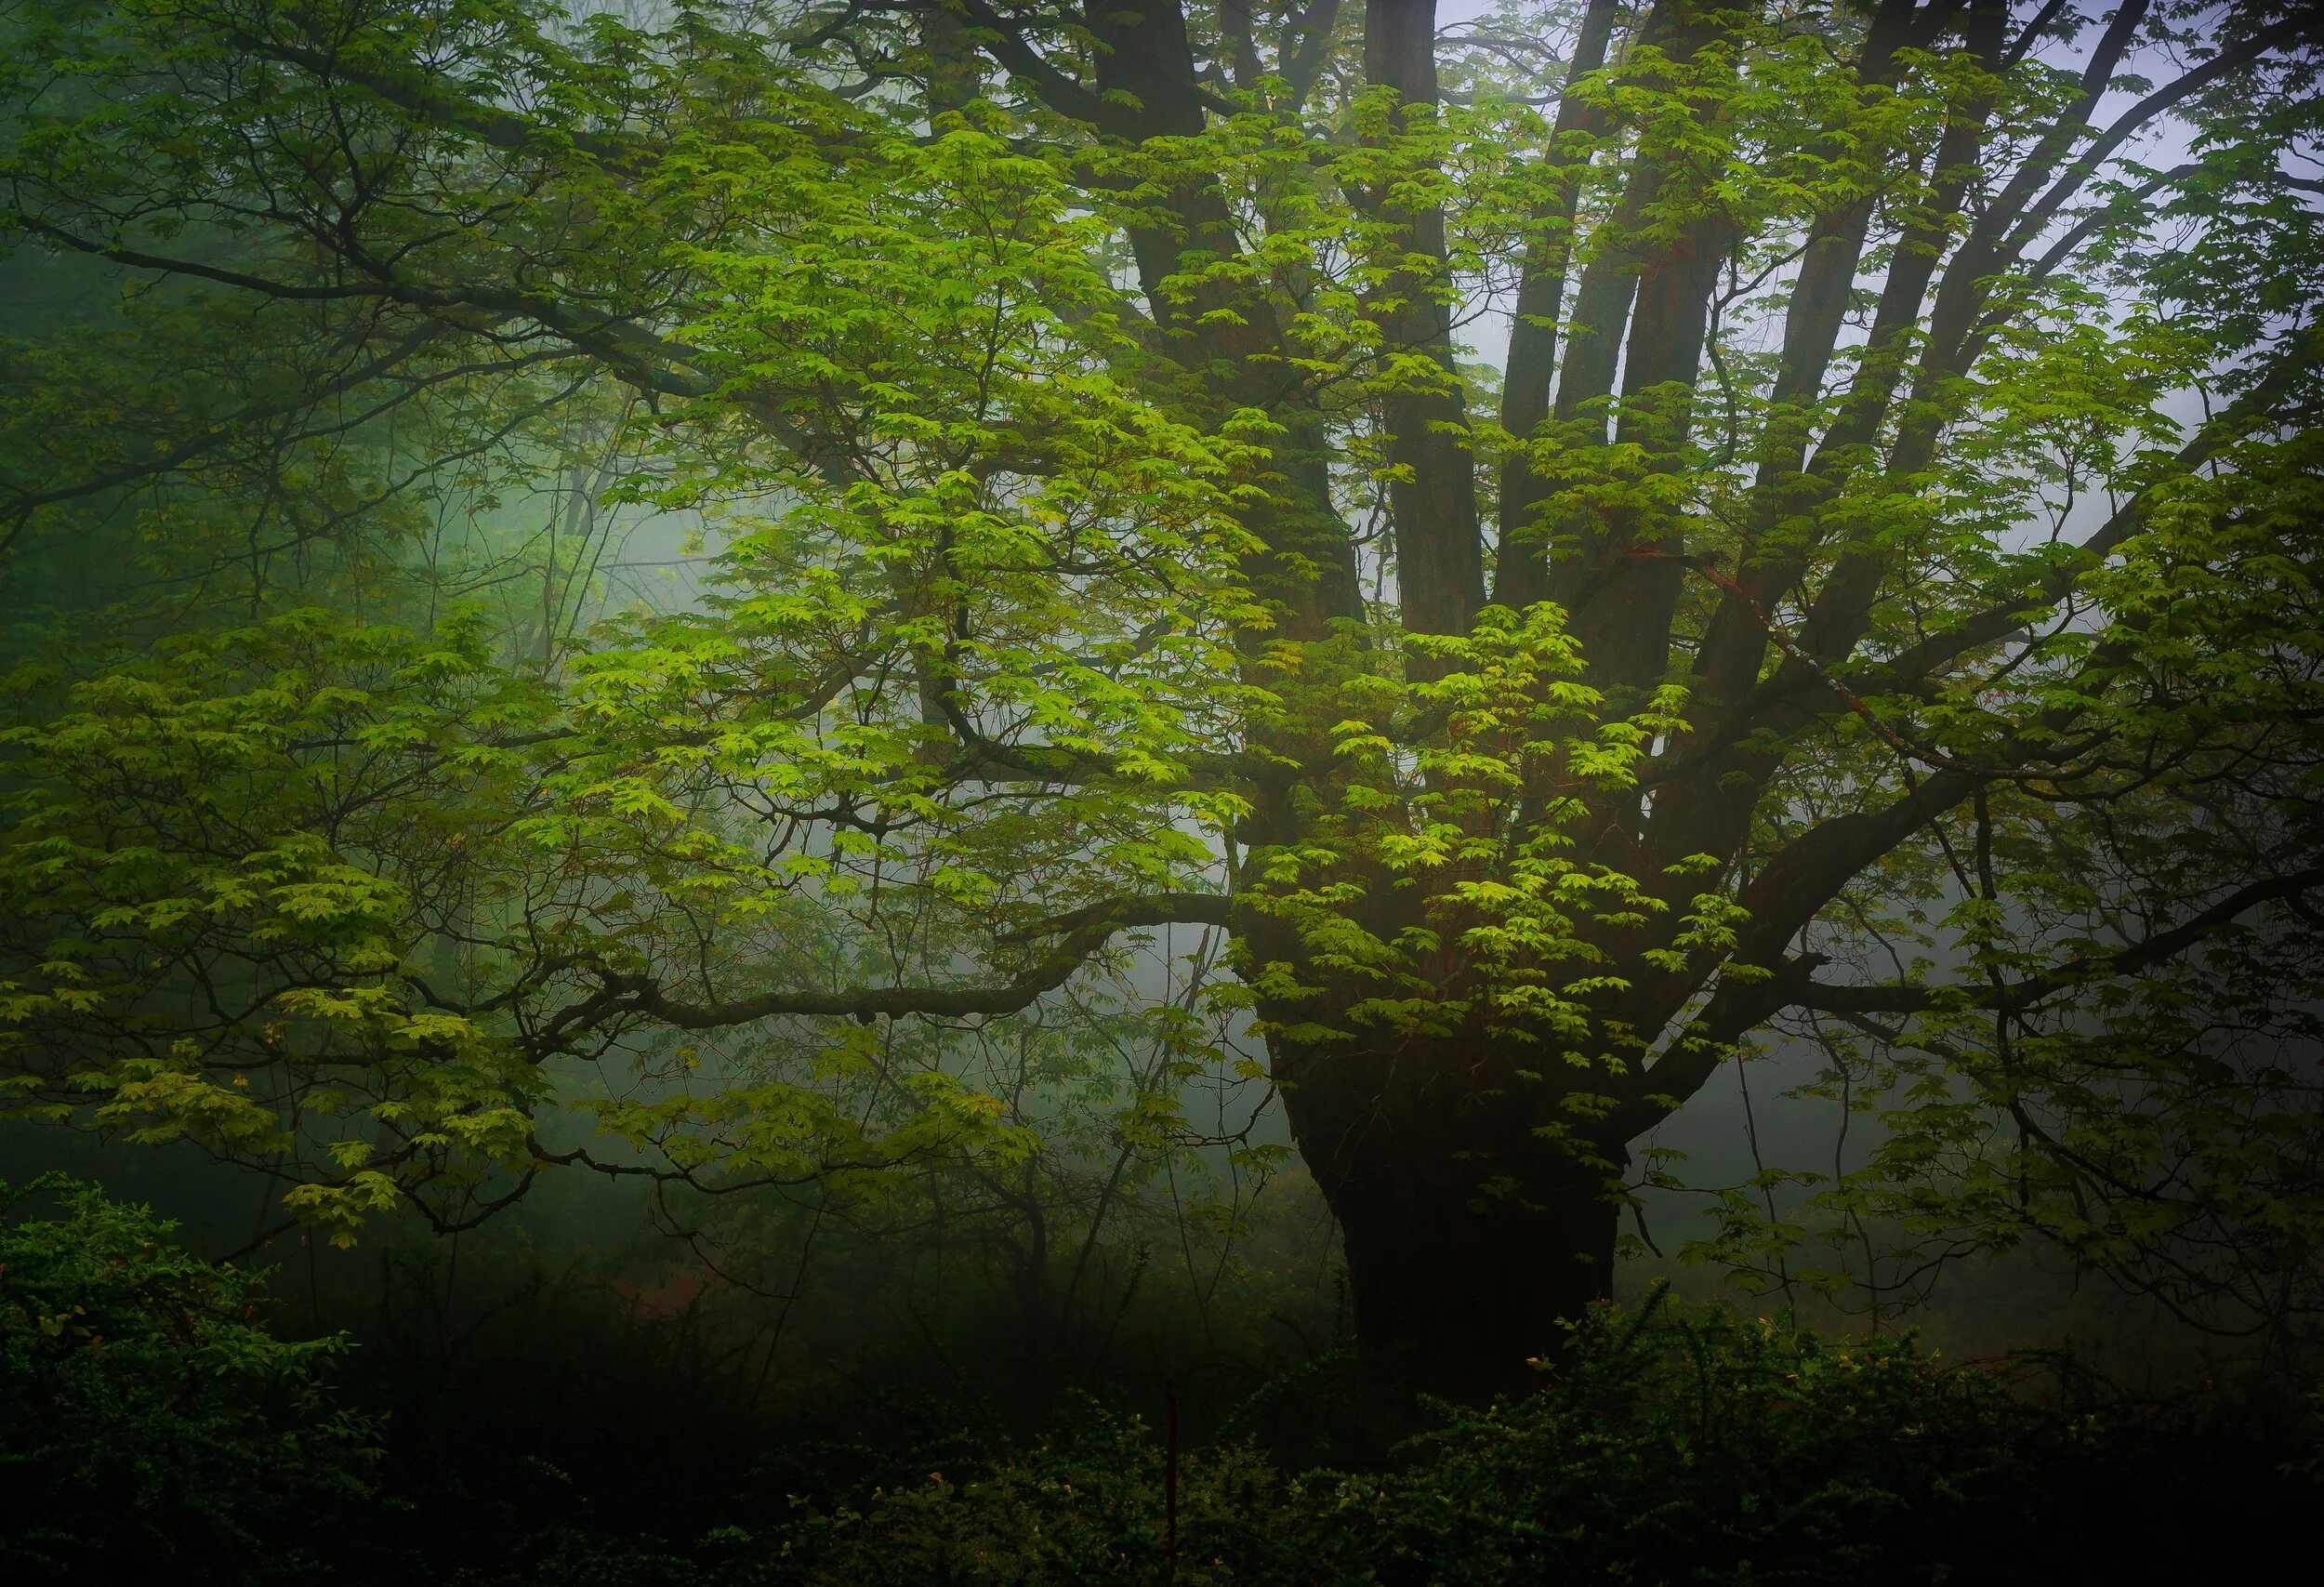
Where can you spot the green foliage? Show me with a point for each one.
(149, 1421)
(259, 819)
(1085, 488)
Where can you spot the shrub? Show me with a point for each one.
(1671, 1446)
(147, 1419)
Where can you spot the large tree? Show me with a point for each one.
(1871, 597)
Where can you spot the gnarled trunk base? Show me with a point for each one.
(1471, 1289)
(1471, 1236)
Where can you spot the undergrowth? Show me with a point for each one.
(147, 1417)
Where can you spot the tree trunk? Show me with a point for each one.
(1468, 1236)
(1472, 1288)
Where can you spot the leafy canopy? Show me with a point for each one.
(1870, 600)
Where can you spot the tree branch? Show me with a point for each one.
(1080, 935)
(2291, 29)
(1997, 621)
(1059, 92)
(1829, 997)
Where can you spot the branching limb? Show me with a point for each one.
(1829, 997)
(1078, 935)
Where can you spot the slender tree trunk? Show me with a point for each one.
(1433, 496)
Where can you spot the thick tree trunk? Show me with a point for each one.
(1469, 1236)
(1472, 1288)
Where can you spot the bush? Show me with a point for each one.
(1673, 1445)
(148, 1420)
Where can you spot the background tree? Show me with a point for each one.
(1876, 596)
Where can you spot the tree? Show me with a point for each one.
(1877, 597)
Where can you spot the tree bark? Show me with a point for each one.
(1432, 493)
(1522, 571)
(1472, 1229)
(1469, 1288)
